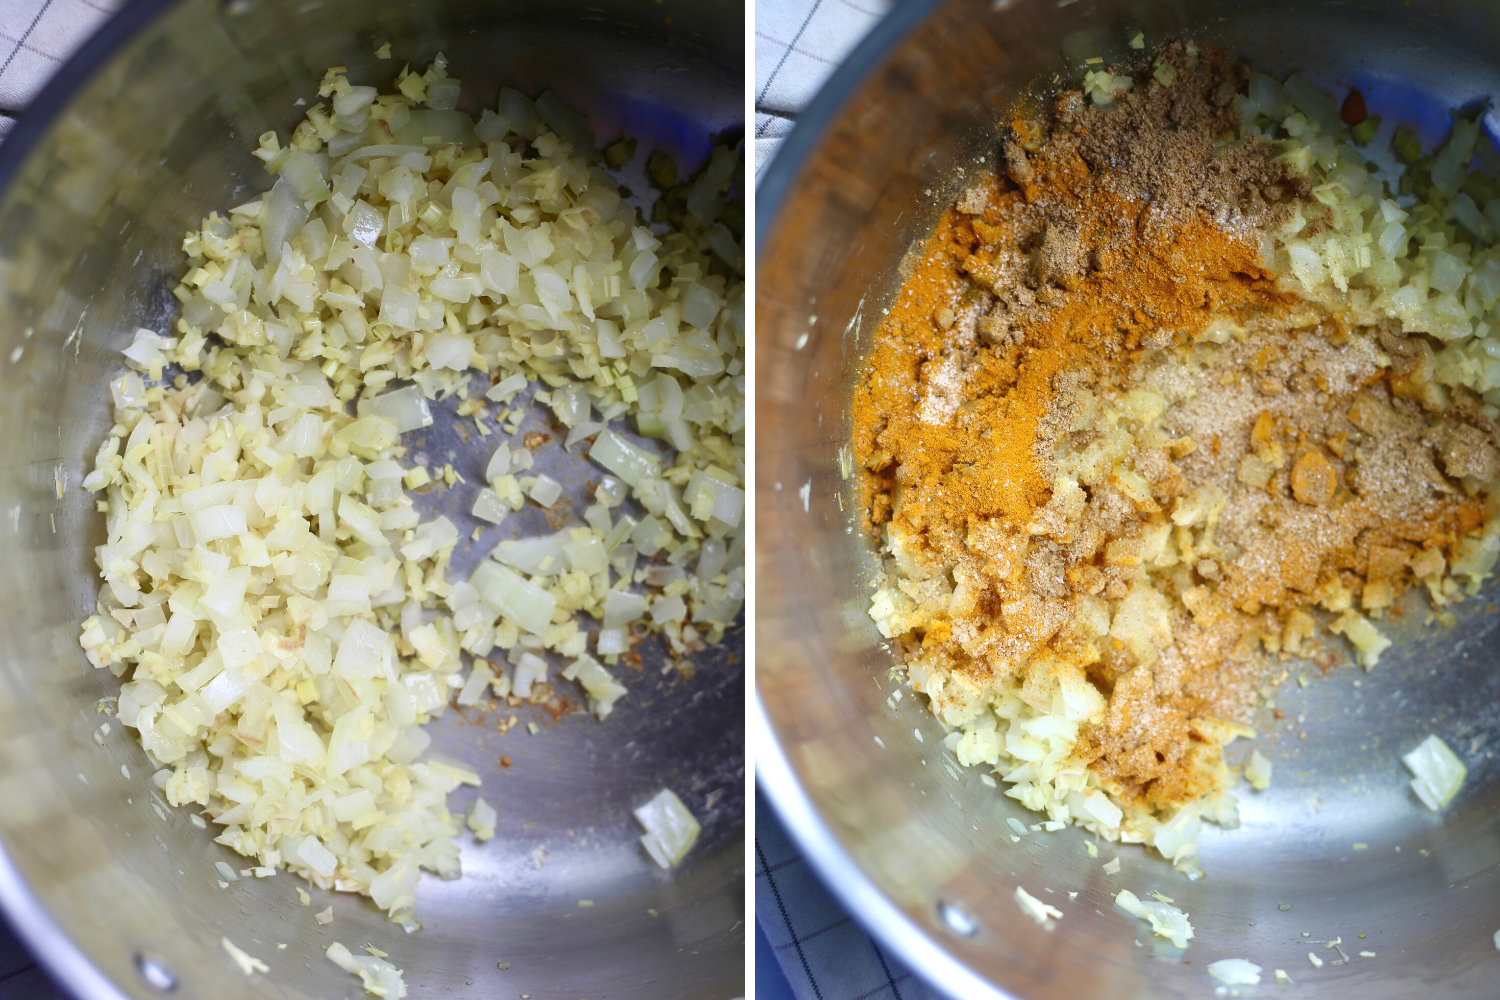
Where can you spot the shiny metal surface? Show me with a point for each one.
(145, 132)
(917, 848)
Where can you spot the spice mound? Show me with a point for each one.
(1179, 395)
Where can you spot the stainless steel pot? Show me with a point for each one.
(147, 130)
(918, 848)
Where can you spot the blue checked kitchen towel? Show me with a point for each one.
(20, 977)
(824, 954)
(36, 37)
(797, 45)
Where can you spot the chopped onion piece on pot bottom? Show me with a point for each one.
(1235, 972)
(1166, 920)
(1037, 910)
(1439, 773)
(381, 978)
(671, 830)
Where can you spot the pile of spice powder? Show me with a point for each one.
(1122, 469)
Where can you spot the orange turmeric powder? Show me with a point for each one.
(1132, 280)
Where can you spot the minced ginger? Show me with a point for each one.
(1123, 459)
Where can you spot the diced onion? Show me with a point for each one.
(317, 857)
(506, 387)
(1166, 920)
(380, 978)
(479, 679)
(1258, 771)
(406, 408)
(545, 490)
(281, 624)
(1034, 908)
(285, 213)
(519, 599)
(489, 507)
(438, 127)
(613, 641)
(482, 817)
(622, 607)
(529, 670)
(1438, 773)
(1235, 972)
(248, 964)
(625, 460)
(214, 523)
(601, 686)
(539, 555)
(671, 830)
(447, 350)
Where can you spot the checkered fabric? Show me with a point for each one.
(20, 977)
(797, 45)
(36, 37)
(824, 954)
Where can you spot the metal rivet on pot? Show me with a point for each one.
(155, 972)
(957, 919)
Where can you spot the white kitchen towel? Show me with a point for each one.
(824, 954)
(36, 38)
(798, 43)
